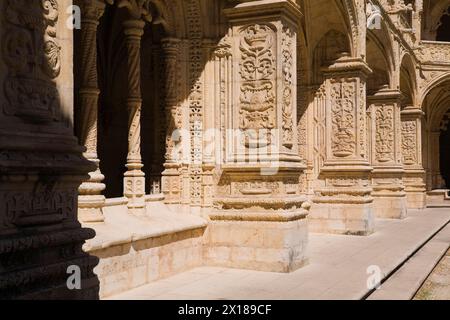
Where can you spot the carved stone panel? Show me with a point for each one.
(384, 134)
(343, 118)
(32, 56)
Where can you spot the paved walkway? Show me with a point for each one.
(337, 270)
(437, 286)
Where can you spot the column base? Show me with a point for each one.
(276, 246)
(340, 218)
(134, 191)
(90, 198)
(389, 197)
(170, 181)
(390, 207)
(415, 188)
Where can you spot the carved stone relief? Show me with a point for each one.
(28, 28)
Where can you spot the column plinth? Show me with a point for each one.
(414, 176)
(386, 158)
(343, 201)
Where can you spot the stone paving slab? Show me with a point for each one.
(337, 269)
(437, 286)
(405, 282)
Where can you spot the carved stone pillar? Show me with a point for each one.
(134, 180)
(386, 154)
(343, 201)
(90, 200)
(414, 176)
(260, 213)
(41, 161)
(173, 121)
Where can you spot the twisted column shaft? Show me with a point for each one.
(91, 201)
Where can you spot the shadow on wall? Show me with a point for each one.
(445, 156)
(41, 163)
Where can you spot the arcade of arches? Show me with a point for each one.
(218, 132)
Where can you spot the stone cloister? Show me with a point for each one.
(164, 135)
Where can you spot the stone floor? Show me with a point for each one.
(437, 286)
(338, 267)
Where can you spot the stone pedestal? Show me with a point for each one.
(259, 221)
(171, 181)
(276, 246)
(386, 154)
(343, 202)
(414, 176)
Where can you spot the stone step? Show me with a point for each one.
(408, 279)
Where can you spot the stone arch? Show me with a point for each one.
(433, 83)
(436, 105)
(354, 17)
(443, 29)
(331, 46)
(380, 58)
(329, 17)
(407, 80)
(431, 21)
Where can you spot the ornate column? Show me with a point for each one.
(414, 176)
(260, 213)
(134, 179)
(343, 200)
(386, 154)
(90, 200)
(173, 121)
(41, 160)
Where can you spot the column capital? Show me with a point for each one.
(350, 65)
(170, 46)
(92, 10)
(261, 8)
(137, 9)
(385, 95)
(134, 28)
(412, 112)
